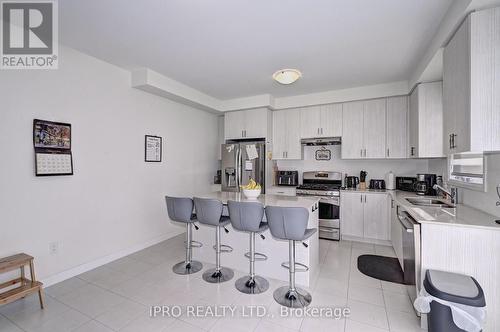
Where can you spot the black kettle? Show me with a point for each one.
(351, 182)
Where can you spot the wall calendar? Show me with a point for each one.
(52, 143)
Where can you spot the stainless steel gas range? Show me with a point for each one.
(327, 185)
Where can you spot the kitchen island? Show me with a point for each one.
(276, 250)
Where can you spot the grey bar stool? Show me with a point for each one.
(209, 212)
(180, 209)
(290, 223)
(247, 217)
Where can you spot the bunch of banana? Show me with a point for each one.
(252, 185)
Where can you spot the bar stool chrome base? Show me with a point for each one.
(215, 277)
(297, 298)
(184, 268)
(249, 285)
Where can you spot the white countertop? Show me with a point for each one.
(461, 215)
(266, 200)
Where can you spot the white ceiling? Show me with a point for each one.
(230, 48)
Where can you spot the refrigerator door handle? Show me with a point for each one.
(238, 170)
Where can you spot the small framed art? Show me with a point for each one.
(152, 149)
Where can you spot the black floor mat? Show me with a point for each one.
(381, 267)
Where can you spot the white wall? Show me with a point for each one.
(376, 168)
(114, 202)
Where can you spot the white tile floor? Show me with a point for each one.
(118, 296)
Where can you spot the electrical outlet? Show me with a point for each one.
(54, 248)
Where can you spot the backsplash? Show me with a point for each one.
(376, 168)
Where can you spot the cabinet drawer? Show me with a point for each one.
(334, 223)
(329, 233)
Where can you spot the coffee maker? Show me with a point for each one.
(425, 184)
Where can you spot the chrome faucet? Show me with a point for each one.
(452, 193)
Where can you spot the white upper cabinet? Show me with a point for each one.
(331, 120)
(321, 121)
(246, 124)
(426, 121)
(310, 119)
(364, 129)
(397, 119)
(374, 129)
(471, 72)
(286, 134)
(234, 122)
(352, 130)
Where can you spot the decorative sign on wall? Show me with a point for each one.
(52, 143)
(153, 149)
(323, 154)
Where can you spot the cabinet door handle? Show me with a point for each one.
(361, 153)
(412, 151)
(388, 154)
(365, 198)
(450, 141)
(453, 140)
(286, 154)
(321, 131)
(361, 198)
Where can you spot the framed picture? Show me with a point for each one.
(324, 154)
(53, 163)
(51, 135)
(152, 149)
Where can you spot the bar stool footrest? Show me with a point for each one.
(224, 248)
(195, 244)
(301, 267)
(258, 256)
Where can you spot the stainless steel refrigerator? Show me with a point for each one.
(242, 161)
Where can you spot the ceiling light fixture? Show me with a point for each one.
(287, 76)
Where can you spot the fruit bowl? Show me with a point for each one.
(251, 193)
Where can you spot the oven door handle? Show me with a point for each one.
(330, 201)
(327, 230)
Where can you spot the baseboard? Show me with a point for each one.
(54, 279)
(366, 240)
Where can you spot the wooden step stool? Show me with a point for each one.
(26, 287)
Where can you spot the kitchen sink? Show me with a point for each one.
(431, 202)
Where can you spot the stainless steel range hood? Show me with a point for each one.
(321, 141)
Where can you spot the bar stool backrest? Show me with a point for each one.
(179, 209)
(208, 211)
(245, 216)
(287, 223)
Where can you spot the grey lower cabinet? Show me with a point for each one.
(365, 216)
(471, 85)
